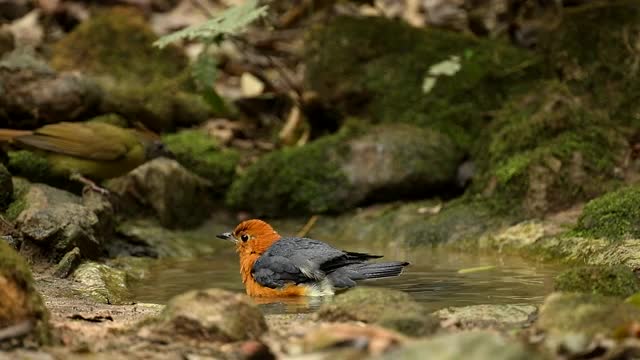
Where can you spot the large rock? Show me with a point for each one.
(618, 280)
(340, 171)
(101, 283)
(387, 71)
(166, 190)
(425, 222)
(385, 307)
(212, 314)
(475, 345)
(22, 312)
(141, 82)
(34, 95)
(57, 221)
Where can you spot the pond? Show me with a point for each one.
(437, 277)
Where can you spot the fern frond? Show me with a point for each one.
(231, 21)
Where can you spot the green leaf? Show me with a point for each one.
(231, 21)
(204, 70)
(214, 100)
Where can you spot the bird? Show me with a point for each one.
(86, 151)
(276, 266)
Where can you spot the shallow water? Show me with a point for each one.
(433, 279)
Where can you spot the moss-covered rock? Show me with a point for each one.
(6, 187)
(588, 314)
(57, 221)
(603, 280)
(101, 283)
(212, 314)
(388, 71)
(33, 94)
(605, 69)
(141, 82)
(166, 190)
(426, 222)
(201, 154)
(340, 171)
(19, 300)
(389, 308)
(547, 150)
(613, 216)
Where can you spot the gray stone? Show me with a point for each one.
(101, 283)
(68, 264)
(474, 345)
(175, 196)
(58, 220)
(212, 314)
(487, 315)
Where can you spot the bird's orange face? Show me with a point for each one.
(252, 237)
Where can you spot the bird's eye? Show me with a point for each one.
(244, 237)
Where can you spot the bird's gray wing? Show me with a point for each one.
(294, 260)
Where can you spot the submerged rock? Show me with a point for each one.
(166, 190)
(34, 95)
(202, 154)
(385, 307)
(101, 283)
(340, 171)
(6, 188)
(22, 312)
(475, 345)
(602, 280)
(57, 221)
(212, 314)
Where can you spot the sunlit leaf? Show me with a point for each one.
(476, 269)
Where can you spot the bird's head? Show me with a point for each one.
(251, 236)
(153, 145)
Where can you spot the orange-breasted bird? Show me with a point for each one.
(275, 266)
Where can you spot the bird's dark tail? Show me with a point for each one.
(381, 270)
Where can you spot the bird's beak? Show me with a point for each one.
(226, 236)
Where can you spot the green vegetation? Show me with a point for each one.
(201, 154)
(617, 281)
(6, 187)
(431, 78)
(291, 180)
(613, 216)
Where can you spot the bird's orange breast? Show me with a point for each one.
(253, 288)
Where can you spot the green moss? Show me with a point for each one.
(6, 187)
(301, 179)
(614, 216)
(383, 64)
(617, 281)
(29, 164)
(201, 154)
(20, 186)
(547, 150)
(140, 82)
(15, 270)
(117, 42)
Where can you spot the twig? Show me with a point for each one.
(307, 227)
